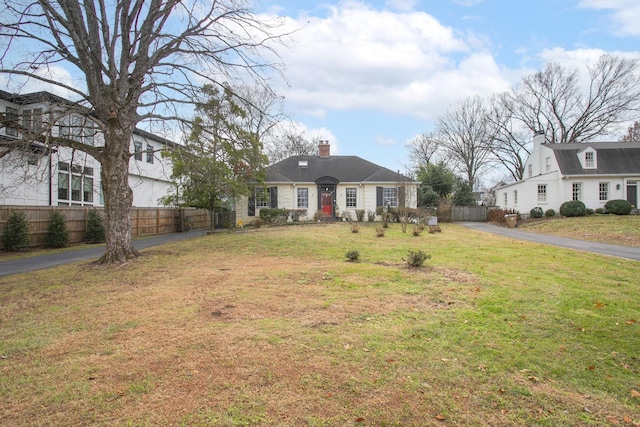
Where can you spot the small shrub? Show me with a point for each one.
(496, 215)
(416, 258)
(590, 211)
(274, 215)
(317, 216)
(352, 255)
(57, 233)
(16, 232)
(355, 228)
(371, 216)
(297, 213)
(95, 227)
(536, 212)
(385, 219)
(257, 223)
(600, 211)
(573, 208)
(549, 213)
(618, 207)
(360, 215)
(379, 231)
(417, 229)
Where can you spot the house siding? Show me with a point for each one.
(543, 163)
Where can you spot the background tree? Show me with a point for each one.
(463, 195)
(290, 143)
(633, 133)
(437, 177)
(554, 100)
(137, 61)
(423, 150)
(466, 134)
(222, 156)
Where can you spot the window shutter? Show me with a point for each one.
(252, 204)
(273, 197)
(401, 197)
(378, 196)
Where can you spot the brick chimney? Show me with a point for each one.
(324, 149)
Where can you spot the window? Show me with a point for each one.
(11, 115)
(530, 170)
(262, 198)
(303, 198)
(542, 193)
(75, 184)
(352, 200)
(589, 160)
(149, 153)
(26, 119)
(77, 128)
(576, 191)
(137, 150)
(547, 164)
(604, 191)
(390, 197)
(515, 197)
(506, 198)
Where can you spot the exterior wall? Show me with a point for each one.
(37, 184)
(288, 198)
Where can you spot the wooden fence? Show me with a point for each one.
(469, 213)
(144, 221)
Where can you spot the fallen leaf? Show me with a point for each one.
(599, 304)
(440, 417)
(359, 419)
(635, 393)
(592, 368)
(533, 379)
(613, 420)
(630, 321)
(502, 391)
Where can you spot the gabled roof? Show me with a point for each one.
(342, 168)
(611, 158)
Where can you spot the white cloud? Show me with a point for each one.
(624, 14)
(407, 63)
(467, 3)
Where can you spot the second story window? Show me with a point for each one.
(137, 150)
(11, 116)
(589, 160)
(149, 153)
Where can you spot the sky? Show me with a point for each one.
(369, 76)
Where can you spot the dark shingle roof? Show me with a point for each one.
(342, 168)
(611, 158)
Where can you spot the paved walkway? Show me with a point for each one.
(581, 245)
(24, 265)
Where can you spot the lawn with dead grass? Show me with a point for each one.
(275, 328)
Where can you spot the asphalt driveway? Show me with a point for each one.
(580, 245)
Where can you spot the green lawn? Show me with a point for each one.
(274, 327)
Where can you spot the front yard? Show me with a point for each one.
(275, 327)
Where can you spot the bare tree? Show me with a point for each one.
(423, 149)
(511, 145)
(290, 143)
(554, 101)
(136, 61)
(466, 134)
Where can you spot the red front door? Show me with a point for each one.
(327, 203)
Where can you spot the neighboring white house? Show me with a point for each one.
(330, 185)
(35, 176)
(593, 173)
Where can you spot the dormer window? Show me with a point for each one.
(303, 163)
(588, 158)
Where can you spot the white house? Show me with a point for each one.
(593, 173)
(35, 176)
(329, 185)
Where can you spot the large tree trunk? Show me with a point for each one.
(118, 196)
